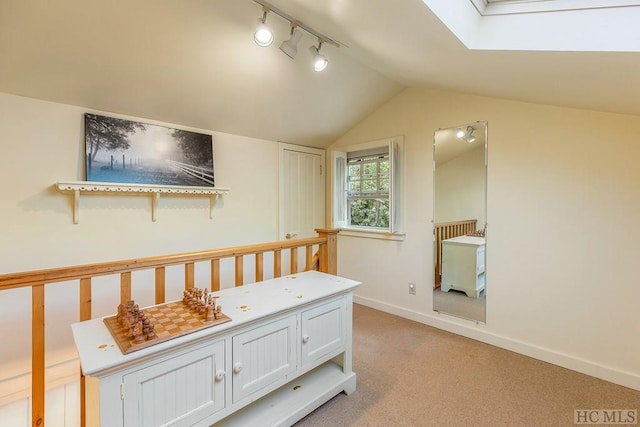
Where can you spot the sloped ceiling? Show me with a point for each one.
(194, 63)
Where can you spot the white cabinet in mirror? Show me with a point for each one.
(459, 218)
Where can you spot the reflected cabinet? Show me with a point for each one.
(463, 265)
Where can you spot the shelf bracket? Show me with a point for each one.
(212, 203)
(154, 206)
(76, 206)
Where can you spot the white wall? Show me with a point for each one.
(460, 188)
(562, 239)
(43, 142)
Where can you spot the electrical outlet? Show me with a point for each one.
(412, 288)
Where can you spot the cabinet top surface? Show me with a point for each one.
(99, 352)
(466, 240)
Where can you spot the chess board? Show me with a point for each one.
(170, 320)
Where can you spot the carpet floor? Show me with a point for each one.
(410, 374)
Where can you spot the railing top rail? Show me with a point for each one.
(61, 274)
(464, 221)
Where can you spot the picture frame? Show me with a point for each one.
(130, 152)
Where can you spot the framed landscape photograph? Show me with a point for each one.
(128, 152)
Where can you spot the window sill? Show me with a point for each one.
(372, 234)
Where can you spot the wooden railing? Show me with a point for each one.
(325, 260)
(447, 230)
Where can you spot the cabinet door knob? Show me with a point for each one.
(220, 375)
(237, 367)
(305, 339)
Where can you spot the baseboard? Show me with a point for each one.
(477, 332)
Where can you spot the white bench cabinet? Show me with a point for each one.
(286, 351)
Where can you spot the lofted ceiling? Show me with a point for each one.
(194, 63)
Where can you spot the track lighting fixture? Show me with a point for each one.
(263, 35)
(290, 47)
(320, 62)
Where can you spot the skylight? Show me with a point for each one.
(505, 7)
(543, 25)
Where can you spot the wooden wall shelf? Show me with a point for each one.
(78, 187)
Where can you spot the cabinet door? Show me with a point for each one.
(459, 266)
(262, 356)
(323, 332)
(176, 392)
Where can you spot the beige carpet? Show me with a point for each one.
(410, 374)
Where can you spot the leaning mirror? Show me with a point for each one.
(460, 183)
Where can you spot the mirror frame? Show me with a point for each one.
(460, 230)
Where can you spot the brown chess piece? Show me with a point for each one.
(211, 315)
(120, 312)
(152, 332)
(145, 327)
(139, 335)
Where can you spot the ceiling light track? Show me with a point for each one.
(323, 38)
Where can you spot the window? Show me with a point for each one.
(368, 189)
(367, 184)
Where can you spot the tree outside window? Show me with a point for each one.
(368, 191)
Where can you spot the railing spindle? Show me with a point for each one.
(239, 270)
(277, 263)
(215, 274)
(189, 275)
(85, 314)
(125, 287)
(259, 267)
(160, 285)
(85, 299)
(294, 260)
(37, 355)
(308, 257)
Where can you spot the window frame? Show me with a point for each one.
(339, 199)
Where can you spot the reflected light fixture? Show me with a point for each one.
(263, 35)
(320, 62)
(290, 47)
(466, 134)
(470, 136)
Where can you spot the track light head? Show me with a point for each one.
(470, 136)
(263, 35)
(466, 134)
(290, 47)
(319, 61)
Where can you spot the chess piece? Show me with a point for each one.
(145, 327)
(132, 330)
(126, 325)
(139, 335)
(152, 332)
(120, 312)
(211, 315)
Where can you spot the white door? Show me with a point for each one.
(302, 191)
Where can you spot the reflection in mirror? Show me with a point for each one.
(460, 183)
